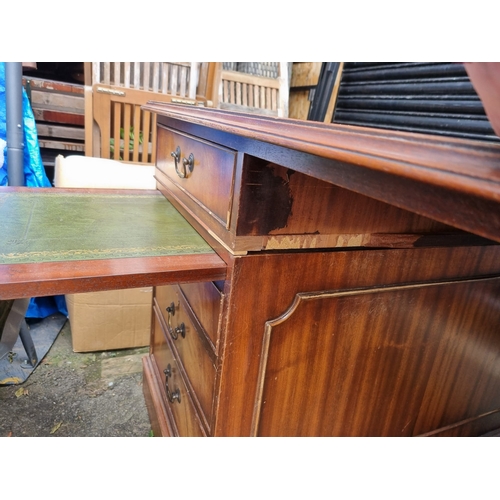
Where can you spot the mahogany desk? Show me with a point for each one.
(350, 284)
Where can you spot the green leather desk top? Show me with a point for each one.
(58, 241)
(51, 225)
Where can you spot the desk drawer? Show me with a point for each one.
(207, 180)
(205, 300)
(184, 415)
(195, 353)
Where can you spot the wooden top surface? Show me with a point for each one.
(54, 240)
(455, 181)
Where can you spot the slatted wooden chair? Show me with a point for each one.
(115, 125)
(251, 93)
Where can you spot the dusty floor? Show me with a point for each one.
(78, 394)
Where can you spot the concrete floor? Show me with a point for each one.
(78, 394)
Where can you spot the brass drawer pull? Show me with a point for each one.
(187, 163)
(171, 396)
(180, 329)
(171, 312)
(170, 309)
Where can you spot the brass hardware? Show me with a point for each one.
(174, 332)
(183, 101)
(171, 312)
(110, 91)
(171, 309)
(171, 396)
(187, 163)
(176, 155)
(180, 329)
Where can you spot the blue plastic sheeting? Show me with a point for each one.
(34, 171)
(41, 307)
(34, 175)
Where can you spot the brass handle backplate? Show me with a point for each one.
(187, 166)
(180, 329)
(175, 395)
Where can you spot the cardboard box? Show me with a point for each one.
(116, 319)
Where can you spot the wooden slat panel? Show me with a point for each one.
(136, 131)
(153, 138)
(104, 95)
(107, 73)
(238, 93)
(164, 81)
(116, 129)
(156, 76)
(256, 96)
(183, 80)
(53, 86)
(193, 76)
(61, 132)
(53, 100)
(146, 75)
(117, 74)
(232, 93)
(126, 132)
(126, 75)
(101, 115)
(244, 92)
(137, 75)
(262, 93)
(146, 121)
(59, 116)
(175, 79)
(236, 76)
(90, 126)
(274, 99)
(96, 73)
(64, 145)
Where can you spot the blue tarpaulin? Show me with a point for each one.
(34, 175)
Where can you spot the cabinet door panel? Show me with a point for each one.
(394, 361)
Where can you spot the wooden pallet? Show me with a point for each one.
(58, 108)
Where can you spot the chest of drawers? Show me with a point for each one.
(346, 310)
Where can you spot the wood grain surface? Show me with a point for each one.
(454, 181)
(265, 287)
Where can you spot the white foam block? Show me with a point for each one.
(88, 172)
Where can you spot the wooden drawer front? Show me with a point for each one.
(194, 351)
(205, 301)
(210, 182)
(184, 414)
